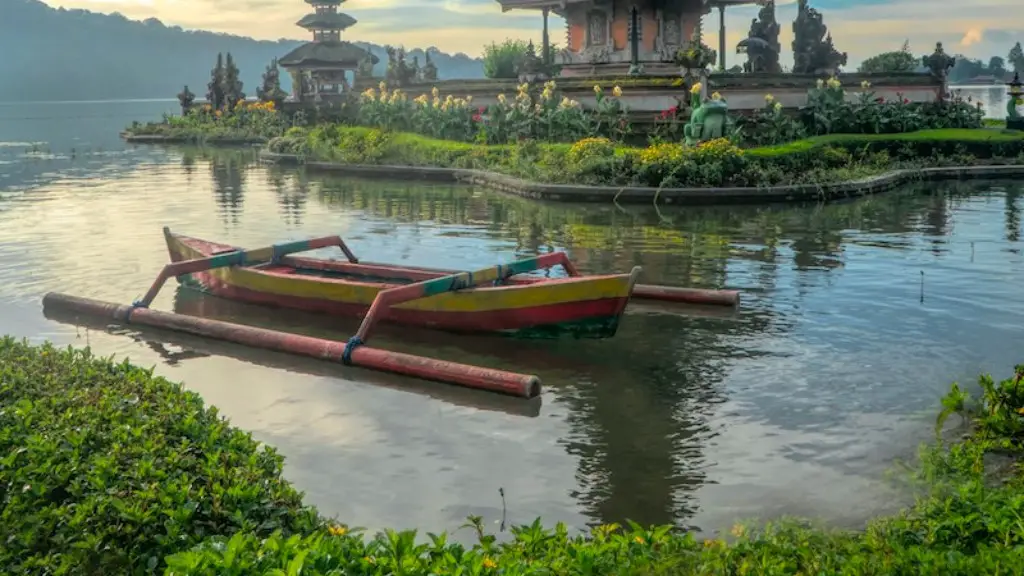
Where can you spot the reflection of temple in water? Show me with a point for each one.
(1013, 194)
(228, 172)
(292, 191)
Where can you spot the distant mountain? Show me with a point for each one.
(57, 54)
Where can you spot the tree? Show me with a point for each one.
(997, 67)
(215, 89)
(1016, 58)
(231, 86)
(888, 62)
(271, 90)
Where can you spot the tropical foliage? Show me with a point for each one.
(107, 469)
(715, 163)
(543, 115)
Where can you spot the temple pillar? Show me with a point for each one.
(546, 40)
(721, 37)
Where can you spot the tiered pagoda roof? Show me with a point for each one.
(327, 50)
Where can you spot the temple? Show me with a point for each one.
(319, 68)
(600, 37)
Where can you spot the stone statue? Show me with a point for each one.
(709, 119)
(531, 68)
(813, 50)
(695, 55)
(415, 76)
(762, 43)
(186, 98)
(365, 69)
(938, 62)
(399, 74)
(429, 70)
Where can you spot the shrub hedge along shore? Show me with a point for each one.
(106, 469)
(717, 163)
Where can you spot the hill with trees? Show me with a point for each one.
(57, 54)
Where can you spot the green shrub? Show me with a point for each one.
(105, 469)
(598, 161)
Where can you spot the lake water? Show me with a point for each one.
(796, 405)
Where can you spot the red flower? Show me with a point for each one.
(880, 100)
(906, 101)
(482, 109)
(476, 117)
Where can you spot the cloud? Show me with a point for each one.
(862, 28)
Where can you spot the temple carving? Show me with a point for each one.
(601, 34)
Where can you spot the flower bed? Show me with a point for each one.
(718, 163)
(105, 469)
(245, 122)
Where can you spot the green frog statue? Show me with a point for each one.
(709, 119)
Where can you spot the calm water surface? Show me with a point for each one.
(796, 405)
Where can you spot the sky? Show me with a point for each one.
(976, 28)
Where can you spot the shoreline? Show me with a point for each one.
(976, 529)
(164, 139)
(790, 193)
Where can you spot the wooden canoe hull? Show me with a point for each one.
(582, 307)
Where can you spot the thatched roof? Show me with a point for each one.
(336, 21)
(313, 54)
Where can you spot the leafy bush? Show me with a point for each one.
(244, 121)
(503, 60)
(717, 163)
(543, 115)
(105, 469)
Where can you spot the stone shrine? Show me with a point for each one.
(613, 37)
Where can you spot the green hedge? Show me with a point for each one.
(105, 469)
(814, 160)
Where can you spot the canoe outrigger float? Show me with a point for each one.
(487, 300)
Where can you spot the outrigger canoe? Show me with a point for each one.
(578, 306)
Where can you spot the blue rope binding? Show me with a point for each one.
(346, 354)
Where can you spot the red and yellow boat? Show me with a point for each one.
(580, 306)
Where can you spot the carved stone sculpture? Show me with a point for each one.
(429, 69)
(709, 119)
(762, 43)
(365, 69)
(186, 98)
(813, 50)
(399, 74)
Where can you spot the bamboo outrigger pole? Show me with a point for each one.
(353, 352)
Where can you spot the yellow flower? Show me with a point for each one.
(820, 83)
(338, 530)
(716, 96)
(566, 103)
(768, 98)
(1020, 410)
(638, 539)
(833, 83)
(524, 88)
(383, 86)
(738, 530)
(546, 94)
(369, 559)
(490, 564)
(422, 99)
(865, 85)
(617, 92)
(501, 98)
(597, 88)
(435, 92)
(778, 106)
(696, 88)
(469, 99)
